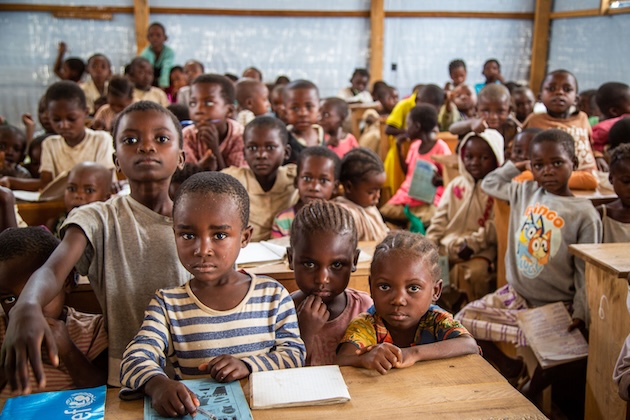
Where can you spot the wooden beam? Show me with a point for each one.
(377, 31)
(141, 17)
(604, 6)
(575, 14)
(11, 7)
(540, 43)
(478, 15)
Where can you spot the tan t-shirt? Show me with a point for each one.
(154, 95)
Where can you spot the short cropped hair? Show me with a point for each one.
(181, 111)
(245, 88)
(492, 60)
(559, 71)
(455, 64)
(99, 55)
(323, 216)
(120, 87)
(319, 151)
(35, 244)
(211, 182)
(619, 133)
(610, 95)
(137, 62)
(361, 72)
(196, 63)
(359, 162)
(227, 87)
(66, 90)
(425, 115)
(270, 123)
(413, 244)
(144, 106)
(564, 139)
(76, 65)
(494, 93)
(338, 105)
(300, 84)
(431, 94)
(619, 154)
(158, 25)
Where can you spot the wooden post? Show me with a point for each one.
(141, 16)
(604, 5)
(377, 24)
(540, 44)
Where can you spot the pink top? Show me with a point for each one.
(402, 197)
(600, 132)
(344, 146)
(231, 147)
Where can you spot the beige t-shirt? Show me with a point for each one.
(57, 156)
(91, 93)
(154, 95)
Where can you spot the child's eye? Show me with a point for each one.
(270, 147)
(414, 288)
(9, 300)
(337, 265)
(568, 89)
(324, 181)
(208, 103)
(557, 163)
(309, 264)
(220, 235)
(129, 140)
(307, 178)
(251, 148)
(192, 104)
(70, 188)
(187, 236)
(90, 190)
(162, 139)
(383, 287)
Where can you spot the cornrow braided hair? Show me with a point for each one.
(359, 162)
(323, 216)
(619, 154)
(410, 243)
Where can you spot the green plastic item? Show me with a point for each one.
(415, 223)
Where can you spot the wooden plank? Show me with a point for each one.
(377, 31)
(266, 12)
(612, 258)
(83, 15)
(574, 14)
(540, 44)
(11, 7)
(38, 213)
(141, 18)
(444, 14)
(604, 6)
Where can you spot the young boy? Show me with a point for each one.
(460, 104)
(317, 178)
(522, 103)
(457, 71)
(334, 111)
(492, 73)
(192, 70)
(463, 227)
(159, 55)
(613, 100)
(70, 69)
(80, 338)
(271, 187)
(73, 144)
(387, 96)
(301, 102)
(357, 92)
(119, 97)
(253, 100)
(141, 75)
(108, 243)
(12, 148)
(276, 101)
(100, 71)
(252, 73)
(215, 141)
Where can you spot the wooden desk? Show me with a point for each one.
(451, 166)
(463, 387)
(39, 212)
(598, 197)
(356, 112)
(607, 268)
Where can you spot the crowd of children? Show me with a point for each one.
(248, 161)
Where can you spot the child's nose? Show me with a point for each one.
(204, 248)
(324, 276)
(398, 298)
(146, 145)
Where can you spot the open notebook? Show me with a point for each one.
(256, 253)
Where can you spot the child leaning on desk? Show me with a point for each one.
(616, 215)
(404, 326)
(223, 323)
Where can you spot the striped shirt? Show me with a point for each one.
(262, 331)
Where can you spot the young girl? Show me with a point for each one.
(223, 323)
(362, 176)
(160, 56)
(100, 70)
(334, 112)
(492, 72)
(404, 326)
(616, 215)
(301, 111)
(119, 97)
(421, 130)
(357, 91)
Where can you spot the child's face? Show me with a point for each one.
(316, 179)
(520, 147)
(99, 70)
(192, 71)
(141, 75)
(458, 75)
(323, 263)
(559, 93)
(464, 98)
(156, 37)
(69, 73)
(494, 112)
(277, 104)
(620, 180)
(390, 100)
(68, 119)
(147, 147)
(491, 71)
(330, 119)
(252, 74)
(117, 104)
(264, 150)
(416, 131)
(85, 186)
(402, 289)
(359, 82)
(13, 147)
(302, 108)
(260, 100)
(552, 167)
(209, 241)
(35, 153)
(523, 103)
(207, 104)
(479, 159)
(366, 192)
(178, 80)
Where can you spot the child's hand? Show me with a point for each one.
(437, 180)
(312, 315)
(380, 357)
(580, 325)
(28, 121)
(5, 182)
(209, 161)
(209, 135)
(225, 368)
(98, 125)
(170, 398)
(62, 47)
(464, 252)
(402, 139)
(60, 334)
(523, 165)
(478, 125)
(602, 165)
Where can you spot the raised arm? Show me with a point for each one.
(7, 209)
(498, 182)
(61, 51)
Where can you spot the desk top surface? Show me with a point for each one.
(462, 387)
(612, 258)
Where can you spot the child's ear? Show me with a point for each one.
(248, 103)
(347, 186)
(116, 164)
(181, 160)
(287, 153)
(437, 290)
(246, 236)
(355, 260)
(290, 257)
(575, 163)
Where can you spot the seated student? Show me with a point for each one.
(588, 105)
(177, 80)
(371, 133)
(457, 71)
(323, 254)
(301, 104)
(616, 215)
(621, 375)
(362, 176)
(12, 148)
(100, 71)
(613, 100)
(357, 91)
(421, 131)
(214, 141)
(81, 338)
(192, 70)
(119, 97)
(223, 323)
(271, 187)
(545, 218)
(87, 182)
(73, 144)
(159, 55)
(492, 73)
(70, 69)
(463, 227)
(182, 113)
(141, 75)
(252, 73)
(460, 104)
(523, 102)
(34, 155)
(334, 112)
(253, 100)
(276, 101)
(317, 178)
(618, 134)
(387, 96)
(404, 326)
(107, 241)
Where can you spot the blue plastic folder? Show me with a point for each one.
(86, 403)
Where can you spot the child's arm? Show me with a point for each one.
(458, 346)
(29, 123)
(7, 209)
(61, 51)
(478, 125)
(209, 135)
(394, 131)
(26, 184)
(498, 182)
(312, 316)
(400, 141)
(379, 357)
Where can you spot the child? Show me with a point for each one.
(180, 176)
(613, 100)
(253, 100)
(522, 103)
(404, 326)
(12, 148)
(214, 141)
(463, 227)
(119, 97)
(177, 80)
(492, 73)
(276, 101)
(87, 182)
(619, 134)
(192, 70)
(141, 75)
(271, 187)
(519, 152)
(371, 133)
(81, 338)
(457, 72)
(223, 323)
(159, 55)
(73, 144)
(334, 112)
(253, 73)
(357, 91)
(323, 254)
(362, 176)
(301, 102)
(70, 69)
(34, 155)
(616, 215)
(317, 179)
(587, 104)
(100, 71)
(460, 105)
(422, 131)
(545, 218)
(387, 96)
(107, 241)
